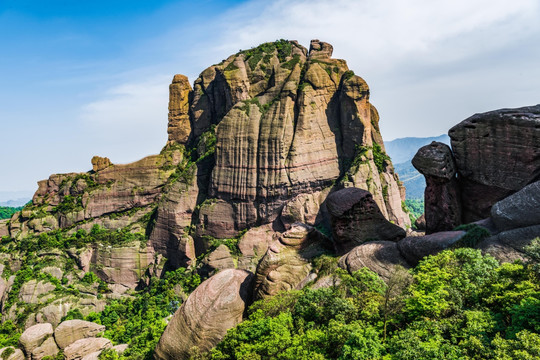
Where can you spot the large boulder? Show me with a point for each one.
(415, 248)
(35, 292)
(496, 154)
(47, 348)
(356, 218)
(441, 196)
(15, 354)
(34, 336)
(381, 257)
(72, 330)
(80, 348)
(217, 305)
(288, 260)
(521, 209)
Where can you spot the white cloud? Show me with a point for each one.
(129, 120)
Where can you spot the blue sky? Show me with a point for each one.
(84, 78)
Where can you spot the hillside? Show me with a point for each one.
(272, 225)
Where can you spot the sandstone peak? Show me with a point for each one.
(320, 50)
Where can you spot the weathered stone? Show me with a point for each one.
(53, 313)
(100, 163)
(442, 201)
(34, 336)
(33, 292)
(203, 320)
(47, 348)
(305, 208)
(72, 330)
(420, 223)
(17, 354)
(435, 160)
(496, 155)
(4, 230)
(123, 265)
(253, 245)
(53, 271)
(381, 257)
(287, 262)
(174, 214)
(217, 260)
(275, 142)
(502, 252)
(86, 346)
(519, 238)
(356, 218)
(521, 209)
(416, 248)
(179, 127)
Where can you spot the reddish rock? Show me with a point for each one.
(287, 263)
(179, 127)
(416, 248)
(381, 257)
(441, 197)
(420, 223)
(217, 305)
(497, 154)
(521, 209)
(356, 219)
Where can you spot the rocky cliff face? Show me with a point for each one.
(258, 142)
(286, 122)
(494, 155)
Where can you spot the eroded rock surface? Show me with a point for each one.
(34, 336)
(203, 320)
(416, 248)
(381, 257)
(72, 330)
(497, 154)
(80, 348)
(356, 219)
(442, 196)
(521, 209)
(287, 262)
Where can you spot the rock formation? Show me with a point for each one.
(356, 218)
(217, 305)
(261, 139)
(442, 202)
(287, 262)
(496, 154)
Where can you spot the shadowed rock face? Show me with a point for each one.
(288, 122)
(496, 153)
(203, 320)
(441, 197)
(356, 219)
(287, 262)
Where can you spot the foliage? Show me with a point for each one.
(62, 240)
(380, 158)
(9, 334)
(457, 304)
(414, 206)
(7, 212)
(140, 321)
(474, 235)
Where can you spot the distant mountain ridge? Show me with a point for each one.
(401, 151)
